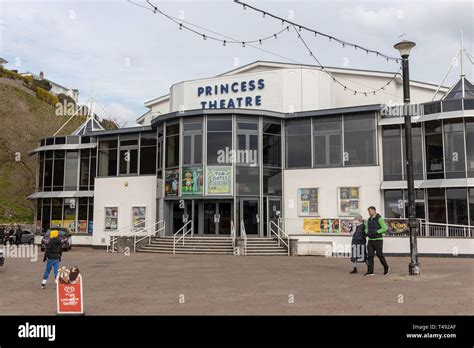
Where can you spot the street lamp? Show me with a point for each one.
(404, 47)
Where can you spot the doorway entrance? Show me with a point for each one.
(249, 215)
(217, 217)
(272, 211)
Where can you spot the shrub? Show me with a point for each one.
(63, 97)
(44, 84)
(9, 74)
(45, 96)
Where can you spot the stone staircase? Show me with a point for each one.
(212, 245)
(265, 247)
(192, 245)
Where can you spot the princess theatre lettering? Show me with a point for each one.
(223, 101)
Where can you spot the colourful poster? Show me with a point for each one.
(348, 201)
(219, 180)
(111, 218)
(82, 226)
(56, 223)
(171, 182)
(70, 225)
(308, 201)
(312, 225)
(345, 225)
(329, 225)
(90, 227)
(138, 218)
(192, 181)
(396, 226)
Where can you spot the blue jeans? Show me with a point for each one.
(55, 265)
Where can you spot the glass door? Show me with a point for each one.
(210, 211)
(225, 216)
(249, 214)
(273, 212)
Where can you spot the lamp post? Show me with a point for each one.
(404, 48)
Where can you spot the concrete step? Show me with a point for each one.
(167, 251)
(189, 247)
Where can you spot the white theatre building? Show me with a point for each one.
(268, 152)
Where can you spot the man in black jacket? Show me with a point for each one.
(375, 228)
(52, 255)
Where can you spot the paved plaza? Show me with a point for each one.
(211, 284)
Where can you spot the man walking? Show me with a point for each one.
(375, 228)
(52, 257)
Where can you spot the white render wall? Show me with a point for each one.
(328, 180)
(112, 192)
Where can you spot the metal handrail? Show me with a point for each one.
(232, 233)
(150, 234)
(125, 231)
(280, 239)
(184, 234)
(243, 234)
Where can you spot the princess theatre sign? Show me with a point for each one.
(231, 95)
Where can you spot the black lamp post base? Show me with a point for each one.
(414, 268)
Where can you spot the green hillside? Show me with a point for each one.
(24, 120)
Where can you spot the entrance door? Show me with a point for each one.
(217, 217)
(250, 215)
(272, 213)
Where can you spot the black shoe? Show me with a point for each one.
(386, 271)
(369, 274)
(354, 271)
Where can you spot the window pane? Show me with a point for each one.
(272, 150)
(217, 141)
(148, 160)
(394, 204)
(359, 148)
(198, 149)
(471, 205)
(172, 151)
(84, 171)
(359, 122)
(70, 180)
(219, 125)
(417, 146)
(392, 153)
(272, 182)
(454, 149)
(298, 151)
(297, 127)
(107, 162)
(133, 168)
(58, 179)
(457, 206)
(148, 139)
(187, 143)
(271, 128)
(436, 205)
(248, 181)
(470, 148)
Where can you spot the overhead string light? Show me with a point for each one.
(181, 26)
(316, 33)
(346, 88)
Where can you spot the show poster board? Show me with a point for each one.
(171, 182)
(349, 201)
(138, 218)
(219, 180)
(82, 226)
(396, 226)
(321, 225)
(111, 218)
(345, 226)
(308, 202)
(192, 181)
(70, 296)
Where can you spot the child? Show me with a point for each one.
(53, 256)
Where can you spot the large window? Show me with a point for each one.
(128, 154)
(247, 179)
(192, 141)
(457, 206)
(58, 170)
(392, 153)
(327, 141)
(470, 147)
(417, 145)
(454, 153)
(436, 205)
(471, 205)
(247, 142)
(147, 153)
(108, 157)
(359, 140)
(172, 145)
(434, 150)
(48, 170)
(394, 204)
(219, 138)
(298, 143)
(272, 144)
(70, 177)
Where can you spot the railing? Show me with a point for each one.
(274, 226)
(433, 229)
(243, 234)
(184, 230)
(232, 233)
(124, 232)
(158, 228)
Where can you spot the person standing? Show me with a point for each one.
(18, 234)
(2, 235)
(358, 243)
(52, 256)
(375, 228)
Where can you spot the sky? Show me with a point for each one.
(125, 55)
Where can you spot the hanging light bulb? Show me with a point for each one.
(275, 35)
(260, 41)
(180, 26)
(264, 14)
(204, 36)
(243, 44)
(299, 28)
(223, 43)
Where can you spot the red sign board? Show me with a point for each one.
(70, 297)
